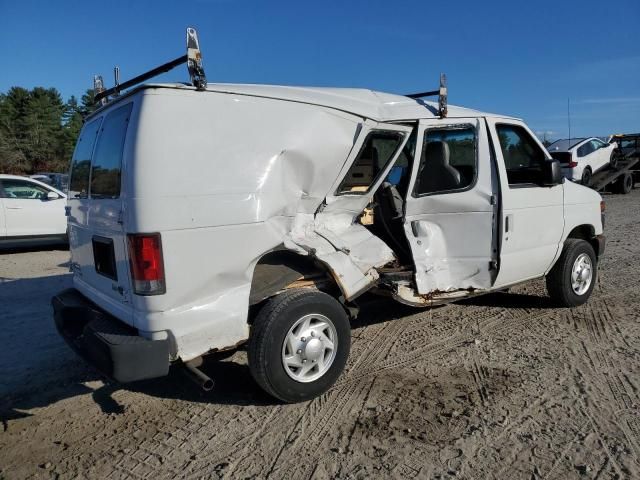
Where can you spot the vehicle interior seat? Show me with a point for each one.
(436, 174)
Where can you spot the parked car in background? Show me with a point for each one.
(59, 181)
(31, 212)
(580, 158)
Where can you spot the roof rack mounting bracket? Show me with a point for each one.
(441, 93)
(193, 59)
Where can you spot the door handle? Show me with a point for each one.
(415, 228)
(508, 223)
(14, 208)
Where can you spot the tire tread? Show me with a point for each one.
(557, 287)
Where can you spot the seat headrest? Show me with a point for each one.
(437, 152)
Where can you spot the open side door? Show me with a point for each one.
(452, 207)
(333, 235)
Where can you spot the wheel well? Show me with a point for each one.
(282, 269)
(587, 233)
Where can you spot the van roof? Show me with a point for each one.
(379, 106)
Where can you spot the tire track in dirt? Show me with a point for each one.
(602, 331)
(330, 409)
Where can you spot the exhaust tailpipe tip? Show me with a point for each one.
(198, 376)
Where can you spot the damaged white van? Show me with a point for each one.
(206, 216)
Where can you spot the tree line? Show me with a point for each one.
(38, 130)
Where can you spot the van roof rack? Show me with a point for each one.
(441, 93)
(193, 59)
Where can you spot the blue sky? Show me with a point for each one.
(517, 58)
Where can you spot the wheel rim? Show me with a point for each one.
(628, 183)
(581, 274)
(309, 348)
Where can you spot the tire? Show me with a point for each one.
(586, 177)
(613, 161)
(624, 184)
(284, 317)
(560, 280)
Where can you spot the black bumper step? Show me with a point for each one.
(114, 348)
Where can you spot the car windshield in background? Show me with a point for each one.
(564, 145)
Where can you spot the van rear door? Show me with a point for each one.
(96, 234)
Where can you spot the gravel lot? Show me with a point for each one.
(504, 386)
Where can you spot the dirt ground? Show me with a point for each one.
(504, 387)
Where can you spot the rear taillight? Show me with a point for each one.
(147, 267)
(573, 164)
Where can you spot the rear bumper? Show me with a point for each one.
(114, 348)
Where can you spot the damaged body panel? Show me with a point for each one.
(333, 236)
(451, 213)
(363, 189)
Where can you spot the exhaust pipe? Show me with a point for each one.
(198, 376)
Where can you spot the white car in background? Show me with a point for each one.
(580, 158)
(31, 212)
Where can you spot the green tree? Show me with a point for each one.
(88, 102)
(72, 122)
(44, 147)
(14, 109)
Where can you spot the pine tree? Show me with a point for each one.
(72, 121)
(14, 108)
(88, 102)
(44, 145)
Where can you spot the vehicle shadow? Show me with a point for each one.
(510, 300)
(51, 372)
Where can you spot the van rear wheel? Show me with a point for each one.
(299, 344)
(573, 277)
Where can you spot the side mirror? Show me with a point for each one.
(552, 173)
(52, 196)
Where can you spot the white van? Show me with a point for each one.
(204, 218)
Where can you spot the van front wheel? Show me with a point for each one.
(299, 344)
(571, 280)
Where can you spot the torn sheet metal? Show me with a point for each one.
(348, 249)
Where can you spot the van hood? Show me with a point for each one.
(575, 194)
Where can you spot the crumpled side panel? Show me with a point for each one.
(348, 248)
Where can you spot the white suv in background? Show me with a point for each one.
(31, 212)
(580, 158)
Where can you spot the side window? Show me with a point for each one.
(524, 159)
(400, 173)
(107, 158)
(23, 190)
(596, 144)
(448, 162)
(585, 149)
(81, 160)
(377, 151)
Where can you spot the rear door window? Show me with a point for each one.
(81, 161)
(107, 159)
(585, 149)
